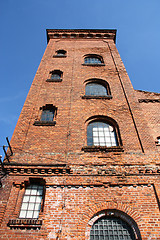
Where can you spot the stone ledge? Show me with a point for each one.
(102, 149)
(54, 80)
(44, 123)
(96, 97)
(25, 223)
(59, 56)
(93, 65)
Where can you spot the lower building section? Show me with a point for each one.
(56, 207)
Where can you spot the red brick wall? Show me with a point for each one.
(151, 107)
(80, 184)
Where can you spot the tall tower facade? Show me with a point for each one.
(85, 161)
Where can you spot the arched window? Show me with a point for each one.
(95, 89)
(61, 53)
(101, 133)
(111, 228)
(93, 59)
(55, 76)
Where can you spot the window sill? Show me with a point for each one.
(96, 97)
(25, 223)
(54, 80)
(102, 149)
(59, 56)
(93, 64)
(44, 123)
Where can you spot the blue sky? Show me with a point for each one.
(23, 41)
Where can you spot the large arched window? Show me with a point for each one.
(100, 133)
(111, 228)
(93, 59)
(95, 89)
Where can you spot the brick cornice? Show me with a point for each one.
(149, 100)
(81, 34)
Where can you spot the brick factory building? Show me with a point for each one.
(86, 148)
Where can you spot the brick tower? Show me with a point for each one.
(85, 161)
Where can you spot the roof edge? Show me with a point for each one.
(64, 33)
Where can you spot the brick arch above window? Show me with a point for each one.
(102, 135)
(118, 222)
(97, 88)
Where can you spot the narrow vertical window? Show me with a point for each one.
(32, 200)
(48, 113)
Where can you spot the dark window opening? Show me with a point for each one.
(61, 53)
(48, 113)
(93, 59)
(55, 76)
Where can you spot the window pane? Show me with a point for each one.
(22, 214)
(47, 115)
(40, 192)
(92, 60)
(26, 199)
(95, 89)
(101, 134)
(38, 199)
(32, 199)
(34, 192)
(24, 206)
(36, 214)
(37, 206)
(31, 204)
(111, 228)
(28, 191)
(29, 214)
